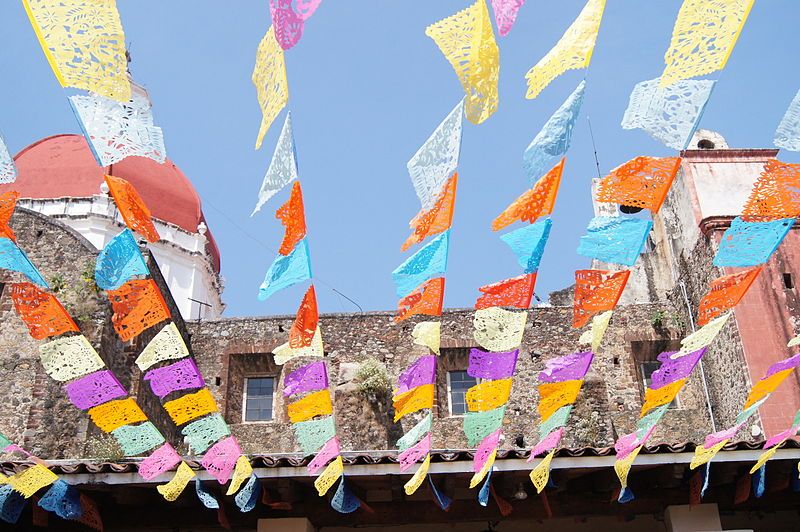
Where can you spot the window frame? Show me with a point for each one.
(450, 393)
(244, 399)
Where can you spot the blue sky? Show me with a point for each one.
(367, 88)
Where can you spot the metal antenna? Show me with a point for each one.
(594, 147)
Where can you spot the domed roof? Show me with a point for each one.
(62, 166)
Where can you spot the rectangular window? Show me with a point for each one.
(458, 382)
(258, 398)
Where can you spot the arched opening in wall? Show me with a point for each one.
(706, 144)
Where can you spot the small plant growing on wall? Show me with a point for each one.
(657, 318)
(373, 379)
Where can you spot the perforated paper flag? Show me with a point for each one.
(137, 439)
(467, 41)
(63, 500)
(241, 473)
(8, 170)
(118, 261)
(117, 130)
(221, 459)
(114, 414)
(555, 395)
(488, 395)
(293, 217)
(486, 365)
(426, 263)
(478, 425)
(725, 293)
(776, 193)
(269, 78)
(32, 480)
(180, 375)
(642, 182)
(422, 371)
(344, 501)
(69, 357)
(515, 292)
(287, 23)
(308, 378)
(201, 433)
(528, 244)
(172, 490)
(415, 481)
(703, 37)
(14, 259)
(553, 141)
(309, 406)
(573, 50)
(41, 312)
(84, 44)
(428, 334)
(287, 270)
(138, 305)
(427, 299)
(436, 219)
(413, 400)
(596, 291)
(668, 114)
(190, 406)
(534, 203)
(437, 158)
(8, 202)
(416, 433)
(132, 208)
(566, 368)
(329, 476)
(745, 244)
(674, 369)
(168, 344)
(312, 435)
(505, 14)
(497, 329)
(787, 136)
(283, 166)
(159, 461)
(94, 389)
(328, 452)
(703, 336)
(615, 239)
(305, 323)
(597, 330)
(283, 353)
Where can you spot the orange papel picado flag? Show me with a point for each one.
(437, 219)
(138, 305)
(426, 299)
(596, 291)
(515, 292)
(293, 217)
(132, 208)
(534, 203)
(305, 324)
(642, 182)
(725, 293)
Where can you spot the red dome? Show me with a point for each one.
(63, 166)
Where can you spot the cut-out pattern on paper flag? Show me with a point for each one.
(596, 291)
(63, 500)
(413, 401)
(554, 395)
(556, 421)
(272, 87)
(190, 406)
(84, 43)
(32, 480)
(309, 378)
(241, 473)
(776, 193)
(674, 369)
(485, 456)
(14, 259)
(329, 476)
(8, 170)
(488, 395)
(572, 51)
(668, 114)
(497, 329)
(597, 330)
(422, 371)
(286, 23)
(703, 37)
(725, 293)
(553, 141)
(94, 389)
(485, 365)
(414, 454)
(416, 481)
(286, 270)
(114, 414)
(328, 452)
(160, 461)
(428, 334)
(703, 336)
(787, 136)
(41, 312)
(567, 368)
(312, 435)
(132, 208)
(282, 171)
(437, 159)
(182, 375)
(655, 397)
(118, 261)
(168, 344)
(172, 489)
(8, 202)
(428, 262)
(247, 499)
(343, 500)
(478, 425)
(117, 130)
(305, 323)
(467, 41)
(615, 239)
(427, 299)
(201, 433)
(137, 439)
(315, 404)
(205, 496)
(69, 357)
(416, 433)
(528, 244)
(293, 217)
(515, 292)
(11, 504)
(534, 203)
(138, 305)
(745, 244)
(435, 220)
(642, 182)
(221, 459)
(505, 14)
(283, 353)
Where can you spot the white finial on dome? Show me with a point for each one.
(202, 228)
(104, 188)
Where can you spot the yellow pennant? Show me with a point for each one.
(269, 77)
(541, 473)
(284, 353)
(413, 400)
(703, 37)
(329, 476)
(703, 456)
(313, 404)
(84, 44)
(168, 344)
(478, 477)
(794, 341)
(703, 336)
(428, 334)
(661, 396)
(554, 395)
(32, 480)
(419, 477)
(766, 455)
(488, 395)
(573, 50)
(172, 489)
(191, 406)
(467, 41)
(241, 473)
(765, 387)
(597, 330)
(623, 467)
(69, 357)
(497, 329)
(114, 414)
